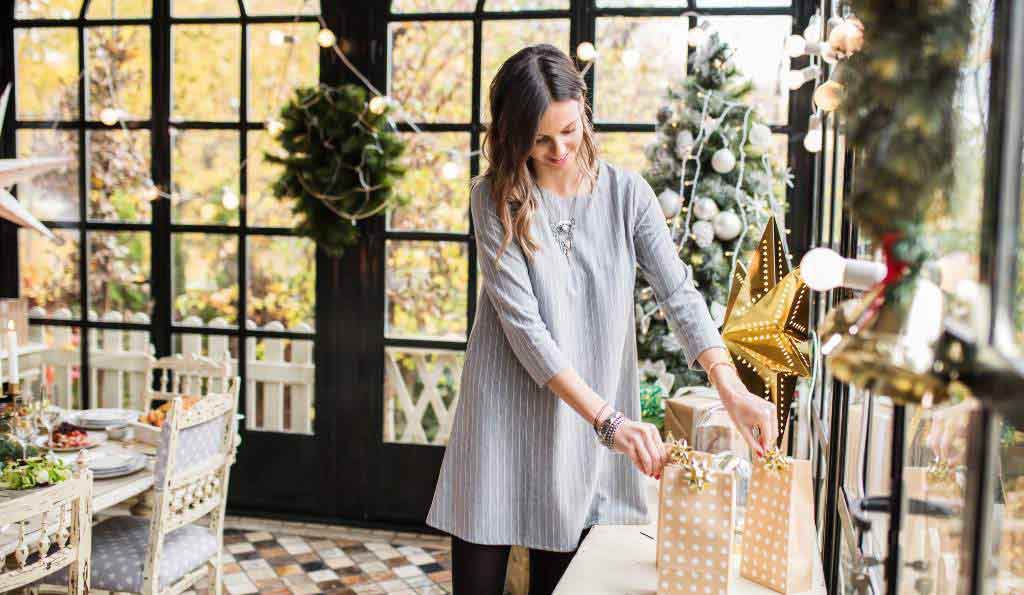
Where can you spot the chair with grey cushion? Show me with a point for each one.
(183, 540)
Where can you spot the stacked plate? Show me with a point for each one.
(101, 419)
(112, 463)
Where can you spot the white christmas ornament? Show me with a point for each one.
(727, 225)
(760, 136)
(670, 202)
(703, 234)
(717, 313)
(705, 208)
(723, 161)
(684, 144)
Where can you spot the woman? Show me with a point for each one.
(551, 359)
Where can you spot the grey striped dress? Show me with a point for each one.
(521, 467)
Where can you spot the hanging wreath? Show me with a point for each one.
(341, 163)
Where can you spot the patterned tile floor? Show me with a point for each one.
(277, 557)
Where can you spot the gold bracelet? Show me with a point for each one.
(724, 362)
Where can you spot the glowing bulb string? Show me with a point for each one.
(701, 139)
(738, 196)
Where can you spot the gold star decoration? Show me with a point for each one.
(765, 326)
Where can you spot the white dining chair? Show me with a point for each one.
(170, 551)
(48, 533)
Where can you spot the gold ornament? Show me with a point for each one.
(765, 325)
(695, 470)
(891, 345)
(829, 96)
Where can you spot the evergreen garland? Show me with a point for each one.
(714, 80)
(341, 163)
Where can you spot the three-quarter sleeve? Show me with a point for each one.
(508, 286)
(671, 279)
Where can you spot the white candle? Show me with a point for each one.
(12, 349)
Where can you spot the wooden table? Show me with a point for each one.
(619, 559)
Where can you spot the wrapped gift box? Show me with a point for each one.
(697, 415)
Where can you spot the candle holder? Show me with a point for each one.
(12, 390)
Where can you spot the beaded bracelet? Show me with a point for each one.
(606, 432)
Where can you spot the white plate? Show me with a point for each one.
(95, 439)
(110, 461)
(101, 418)
(137, 464)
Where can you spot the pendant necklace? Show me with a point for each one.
(563, 228)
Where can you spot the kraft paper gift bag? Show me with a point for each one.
(778, 540)
(695, 525)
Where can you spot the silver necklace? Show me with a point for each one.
(563, 228)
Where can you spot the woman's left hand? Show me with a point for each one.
(748, 411)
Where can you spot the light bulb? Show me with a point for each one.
(229, 199)
(109, 116)
(450, 170)
(586, 51)
(813, 30)
(813, 139)
(822, 269)
(325, 38)
(275, 127)
(828, 96)
(795, 46)
(276, 37)
(630, 58)
(379, 103)
(698, 34)
(796, 78)
(149, 191)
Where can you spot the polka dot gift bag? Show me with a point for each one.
(696, 520)
(779, 534)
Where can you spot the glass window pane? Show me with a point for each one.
(427, 289)
(625, 149)
(204, 174)
(431, 69)
(496, 5)
(52, 196)
(421, 388)
(209, 91)
(639, 58)
(261, 7)
(1009, 519)
(204, 8)
(62, 354)
(46, 73)
(641, 3)
(119, 9)
(436, 202)
(272, 405)
(398, 6)
(282, 281)
(281, 57)
(53, 9)
(205, 278)
(49, 273)
(503, 38)
(119, 167)
(119, 71)
(119, 274)
(263, 208)
(741, 3)
(757, 42)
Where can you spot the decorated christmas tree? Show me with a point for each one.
(711, 168)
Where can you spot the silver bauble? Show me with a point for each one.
(684, 144)
(727, 225)
(703, 233)
(760, 136)
(705, 208)
(723, 161)
(670, 202)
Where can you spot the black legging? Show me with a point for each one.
(480, 569)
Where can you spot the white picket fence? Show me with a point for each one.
(279, 390)
(405, 407)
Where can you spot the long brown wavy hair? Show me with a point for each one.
(526, 84)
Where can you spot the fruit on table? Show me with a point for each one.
(156, 417)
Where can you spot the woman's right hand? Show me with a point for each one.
(642, 443)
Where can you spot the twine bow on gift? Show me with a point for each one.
(774, 461)
(695, 471)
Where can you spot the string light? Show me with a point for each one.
(229, 199)
(110, 116)
(813, 139)
(698, 34)
(630, 58)
(274, 127)
(812, 33)
(796, 78)
(586, 51)
(379, 104)
(276, 37)
(149, 191)
(325, 38)
(795, 46)
(450, 170)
